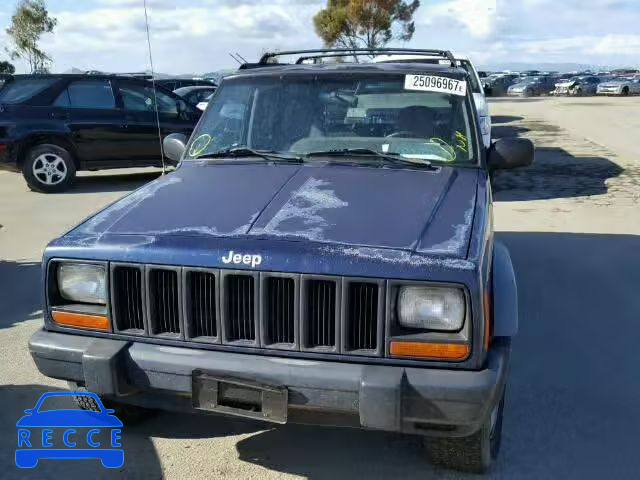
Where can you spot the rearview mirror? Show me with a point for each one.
(506, 153)
(174, 146)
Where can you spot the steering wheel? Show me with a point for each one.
(402, 133)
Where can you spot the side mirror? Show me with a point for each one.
(174, 146)
(506, 153)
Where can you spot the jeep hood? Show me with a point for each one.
(426, 211)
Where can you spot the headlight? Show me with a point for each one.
(83, 283)
(432, 308)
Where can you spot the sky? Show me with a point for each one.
(196, 36)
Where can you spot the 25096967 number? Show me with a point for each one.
(433, 83)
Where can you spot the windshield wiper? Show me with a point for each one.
(270, 155)
(392, 157)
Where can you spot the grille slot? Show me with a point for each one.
(202, 314)
(239, 307)
(127, 299)
(320, 314)
(279, 308)
(362, 316)
(164, 303)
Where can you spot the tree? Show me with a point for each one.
(365, 23)
(6, 67)
(29, 22)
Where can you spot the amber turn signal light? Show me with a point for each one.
(80, 320)
(435, 351)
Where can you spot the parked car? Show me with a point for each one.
(578, 86)
(532, 86)
(52, 126)
(175, 83)
(496, 85)
(475, 85)
(196, 94)
(621, 86)
(348, 272)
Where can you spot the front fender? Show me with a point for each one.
(505, 293)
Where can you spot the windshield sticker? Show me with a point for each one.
(431, 83)
(199, 145)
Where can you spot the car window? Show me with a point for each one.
(18, 91)
(141, 98)
(307, 115)
(473, 80)
(203, 95)
(87, 94)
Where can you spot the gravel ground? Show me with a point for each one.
(571, 222)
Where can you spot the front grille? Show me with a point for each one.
(239, 307)
(361, 323)
(311, 313)
(127, 298)
(164, 302)
(279, 310)
(202, 312)
(320, 313)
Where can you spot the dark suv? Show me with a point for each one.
(323, 253)
(54, 125)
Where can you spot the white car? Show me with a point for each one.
(621, 86)
(476, 85)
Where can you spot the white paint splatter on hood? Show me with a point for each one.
(459, 239)
(304, 207)
(398, 257)
(115, 212)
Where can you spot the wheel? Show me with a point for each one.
(128, 414)
(527, 93)
(625, 91)
(472, 454)
(48, 168)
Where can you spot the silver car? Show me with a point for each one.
(622, 86)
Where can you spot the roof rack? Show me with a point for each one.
(267, 58)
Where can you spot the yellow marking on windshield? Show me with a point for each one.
(461, 142)
(200, 144)
(446, 147)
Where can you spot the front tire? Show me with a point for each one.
(625, 92)
(48, 168)
(472, 454)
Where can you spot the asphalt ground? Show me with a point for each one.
(571, 222)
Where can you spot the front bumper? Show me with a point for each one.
(617, 91)
(427, 401)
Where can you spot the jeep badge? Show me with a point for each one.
(244, 259)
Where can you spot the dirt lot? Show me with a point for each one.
(571, 222)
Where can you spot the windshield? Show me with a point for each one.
(303, 114)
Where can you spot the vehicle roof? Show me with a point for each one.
(325, 68)
(80, 76)
(194, 88)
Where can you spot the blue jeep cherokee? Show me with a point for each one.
(323, 253)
